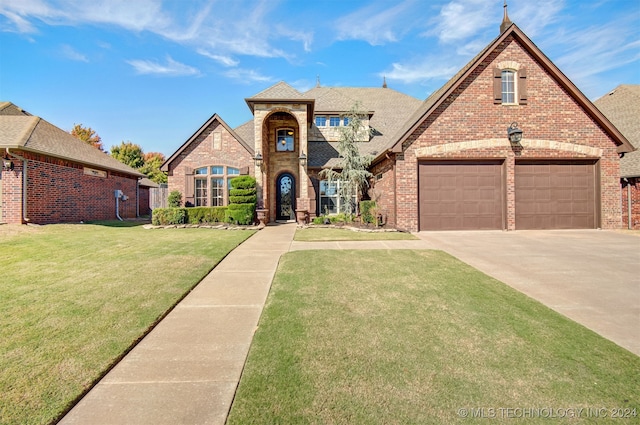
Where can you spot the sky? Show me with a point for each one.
(152, 71)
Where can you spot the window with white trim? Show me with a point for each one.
(330, 200)
(321, 121)
(508, 86)
(212, 185)
(334, 121)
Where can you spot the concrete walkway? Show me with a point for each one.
(187, 369)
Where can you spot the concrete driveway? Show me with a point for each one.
(590, 276)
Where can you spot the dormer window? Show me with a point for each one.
(285, 140)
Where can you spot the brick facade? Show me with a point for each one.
(60, 191)
(206, 150)
(468, 125)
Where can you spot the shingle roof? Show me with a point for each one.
(279, 90)
(622, 107)
(389, 109)
(34, 134)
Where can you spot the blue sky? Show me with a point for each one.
(152, 72)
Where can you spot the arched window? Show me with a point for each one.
(508, 86)
(285, 140)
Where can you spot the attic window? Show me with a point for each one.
(510, 85)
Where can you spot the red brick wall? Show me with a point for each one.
(631, 185)
(201, 153)
(143, 201)
(469, 115)
(382, 188)
(59, 191)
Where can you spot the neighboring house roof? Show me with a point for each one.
(439, 96)
(33, 134)
(622, 107)
(145, 182)
(214, 117)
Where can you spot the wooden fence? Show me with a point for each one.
(158, 197)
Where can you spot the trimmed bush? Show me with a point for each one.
(242, 200)
(366, 211)
(197, 215)
(168, 216)
(240, 213)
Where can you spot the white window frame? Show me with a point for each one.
(334, 189)
(506, 85)
(205, 192)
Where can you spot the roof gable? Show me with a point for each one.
(279, 90)
(439, 96)
(207, 124)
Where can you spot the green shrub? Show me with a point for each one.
(197, 215)
(175, 199)
(243, 192)
(318, 220)
(240, 213)
(243, 182)
(366, 211)
(168, 216)
(243, 199)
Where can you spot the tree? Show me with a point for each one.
(151, 167)
(353, 173)
(128, 153)
(87, 135)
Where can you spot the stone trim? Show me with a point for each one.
(504, 143)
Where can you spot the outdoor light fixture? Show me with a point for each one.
(258, 159)
(514, 133)
(303, 159)
(7, 164)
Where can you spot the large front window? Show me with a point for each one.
(331, 201)
(212, 185)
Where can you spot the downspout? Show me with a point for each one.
(629, 220)
(118, 194)
(138, 198)
(24, 184)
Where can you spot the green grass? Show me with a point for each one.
(320, 234)
(74, 298)
(350, 337)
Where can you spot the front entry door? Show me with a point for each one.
(285, 197)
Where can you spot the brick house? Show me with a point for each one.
(622, 107)
(508, 143)
(48, 176)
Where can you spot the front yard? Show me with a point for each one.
(417, 337)
(74, 298)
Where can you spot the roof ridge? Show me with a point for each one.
(28, 131)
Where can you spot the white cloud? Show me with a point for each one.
(224, 60)
(247, 76)
(171, 68)
(375, 25)
(462, 19)
(420, 72)
(70, 53)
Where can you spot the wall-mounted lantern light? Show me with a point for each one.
(258, 159)
(7, 164)
(303, 159)
(514, 133)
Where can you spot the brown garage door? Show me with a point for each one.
(460, 195)
(555, 195)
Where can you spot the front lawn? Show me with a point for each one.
(418, 337)
(74, 298)
(319, 234)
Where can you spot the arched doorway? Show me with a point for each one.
(285, 197)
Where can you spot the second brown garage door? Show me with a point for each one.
(555, 195)
(460, 195)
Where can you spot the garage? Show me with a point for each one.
(461, 195)
(555, 195)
